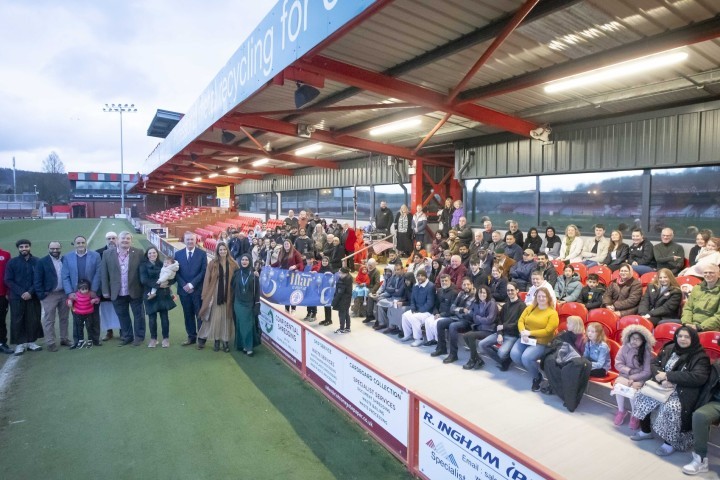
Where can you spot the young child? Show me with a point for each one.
(167, 273)
(591, 294)
(576, 325)
(597, 350)
(313, 266)
(342, 298)
(83, 308)
(362, 280)
(633, 364)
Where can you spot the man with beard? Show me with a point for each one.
(456, 270)
(549, 273)
(108, 317)
(49, 289)
(383, 218)
(458, 322)
(25, 326)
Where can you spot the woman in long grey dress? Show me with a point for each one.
(217, 301)
(246, 292)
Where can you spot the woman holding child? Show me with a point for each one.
(157, 297)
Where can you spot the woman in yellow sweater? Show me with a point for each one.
(537, 326)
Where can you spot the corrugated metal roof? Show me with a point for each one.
(407, 30)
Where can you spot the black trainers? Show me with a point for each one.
(536, 383)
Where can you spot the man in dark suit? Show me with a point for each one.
(190, 277)
(49, 289)
(120, 281)
(108, 317)
(82, 265)
(25, 326)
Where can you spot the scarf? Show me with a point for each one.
(568, 243)
(694, 342)
(222, 282)
(402, 223)
(552, 240)
(362, 277)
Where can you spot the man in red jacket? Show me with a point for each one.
(4, 258)
(348, 239)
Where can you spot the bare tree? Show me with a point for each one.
(53, 164)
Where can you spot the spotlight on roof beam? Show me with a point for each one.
(197, 179)
(305, 94)
(260, 162)
(619, 70)
(541, 133)
(395, 126)
(154, 191)
(184, 183)
(304, 130)
(227, 137)
(232, 170)
(316, 147)
(162, 189)
(172, 187)
(194, 157)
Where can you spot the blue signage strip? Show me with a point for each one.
(289, 31)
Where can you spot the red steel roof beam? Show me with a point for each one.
(275, 156)
(409, 92)
(290, 129)
(179, 159)
(344, 108)
(508, 29)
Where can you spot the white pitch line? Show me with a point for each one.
(7, 374)
(93, 233)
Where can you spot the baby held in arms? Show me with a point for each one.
(167, 273)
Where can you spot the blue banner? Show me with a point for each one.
(285, 287)
(290, 30)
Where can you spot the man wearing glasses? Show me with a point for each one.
(702, 310)
(49, 289)
(108, 317)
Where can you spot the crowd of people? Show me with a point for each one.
(496, 293)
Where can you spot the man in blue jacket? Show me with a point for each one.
(49, 289)
(25, 326)
(82, 264)
(190, 278)
(422, 303)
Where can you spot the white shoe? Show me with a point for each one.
(664, 450)
(698, 465)
(33, 347)
(416, 343)
(640, 435)
(406, 339)
(19, 349)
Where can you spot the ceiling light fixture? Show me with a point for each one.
(619, 70)
(162, 189)
(154, 191)
(184, 183)
(232, 170)
(172, 187)
(316, 147)
(213, 175)
(395, 126)
(260, 162)
(197, 179)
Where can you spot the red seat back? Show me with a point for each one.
(683, 279)
(581, 270)
(573, 308)
(709, 340)
(604, 317)
(632, 320)
(614, 349)
(648, 278)
(559, 266)
(664, 333)
(603, 272)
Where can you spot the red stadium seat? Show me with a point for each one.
(522, 296)
(559, 266)
(664, 333)
(604, 273)
(612, 374)
(647, 278)
(709, 340)
(604, 317)
(572, 308)
(632, 320)
(683, 279)
(581, 270)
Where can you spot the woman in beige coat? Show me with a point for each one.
(217, 301)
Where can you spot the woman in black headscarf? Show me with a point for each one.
(246, 289)
(217, 301)
(684, 366)
(533, 241)
(551, 244)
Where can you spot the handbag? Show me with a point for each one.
(623, 390)
(656, 391)
(565, 353)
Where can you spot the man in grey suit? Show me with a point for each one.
(82, 264)
(120, 281)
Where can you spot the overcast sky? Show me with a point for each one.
(62, 61)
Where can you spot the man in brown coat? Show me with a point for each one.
(120, 281)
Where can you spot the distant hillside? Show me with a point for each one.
(53, 188)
